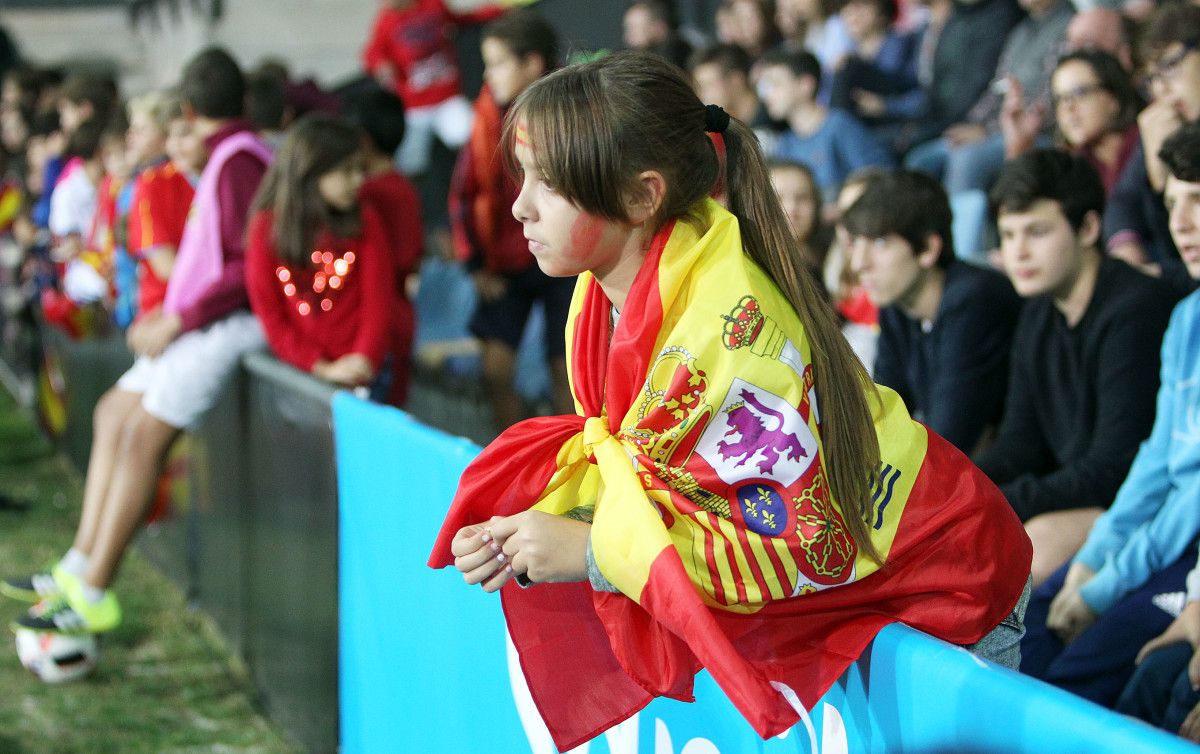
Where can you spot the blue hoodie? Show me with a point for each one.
(1156, 514)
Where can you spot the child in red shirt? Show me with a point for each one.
(318, 269)
(411, 53)
(380, 116)
(162, 197)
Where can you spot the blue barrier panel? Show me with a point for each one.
(425, 665)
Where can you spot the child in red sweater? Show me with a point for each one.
(411, 53)
(318, 269)
(379, 115)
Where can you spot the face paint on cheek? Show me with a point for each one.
(587, 232)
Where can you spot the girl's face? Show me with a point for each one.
(564, 239)
(796, 194)
(145, 139)
(339, 187)
(506, 74)
(185, 148)
(1085, 110)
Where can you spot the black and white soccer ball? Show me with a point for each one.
(55, 657)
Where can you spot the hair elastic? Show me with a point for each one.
(716, 120)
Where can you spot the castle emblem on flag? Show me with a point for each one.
(747, 327)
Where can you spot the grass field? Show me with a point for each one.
(165, 682)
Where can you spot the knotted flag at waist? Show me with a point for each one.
(698, 458)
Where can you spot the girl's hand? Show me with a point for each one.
(543, 546)
(478, 556)
(151, 335)
(351, 370)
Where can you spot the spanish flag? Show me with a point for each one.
(697, 456)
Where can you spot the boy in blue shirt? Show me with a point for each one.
(1160, 524)
(831, 143)
(1138, 552)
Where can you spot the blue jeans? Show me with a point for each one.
(1002, 645)
(1098, 664)
(969, 167)
(1159, 691)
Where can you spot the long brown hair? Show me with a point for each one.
(315, 145)
(598, 125)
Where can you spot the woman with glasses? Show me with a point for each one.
(1095, 108)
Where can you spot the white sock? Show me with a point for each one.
(92, 594)
(74, 562)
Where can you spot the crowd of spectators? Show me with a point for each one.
(1001, 198)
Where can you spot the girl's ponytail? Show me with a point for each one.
(847, 429)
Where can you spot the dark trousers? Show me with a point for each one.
(1098, 664)
(1159, 691)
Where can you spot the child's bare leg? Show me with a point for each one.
(108, 421)
(499, 363)
(143, 446)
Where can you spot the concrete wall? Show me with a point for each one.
(319, 38)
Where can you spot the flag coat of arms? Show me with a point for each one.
(697, 457)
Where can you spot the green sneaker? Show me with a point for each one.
(73, 614)
(39, 586)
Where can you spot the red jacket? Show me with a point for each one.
(416, 40)
(342, 303)
(481, 198)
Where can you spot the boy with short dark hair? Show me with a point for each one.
(721, 76)
(380, 116)
(1091, 620)
(650, 25)
(830, 142)
(186, 352)
(1084, 366)
(945, 327)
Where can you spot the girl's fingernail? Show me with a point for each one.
(508, 569)
(486, 537)
(501, 557)
(495, 547)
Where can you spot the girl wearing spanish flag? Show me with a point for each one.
(734, 493)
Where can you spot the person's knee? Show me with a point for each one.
(144, 435)
(111, 410)
(498, 366)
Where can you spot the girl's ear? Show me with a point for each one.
(648, 199)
